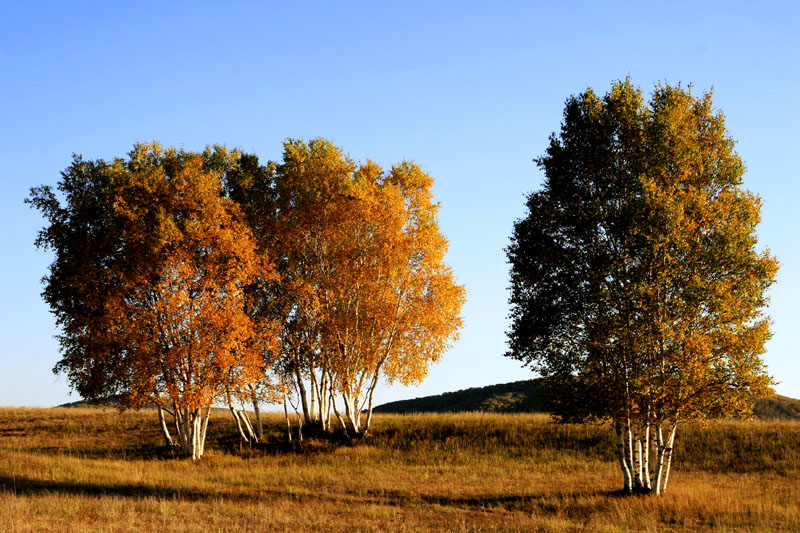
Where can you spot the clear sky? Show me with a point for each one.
(468, 90)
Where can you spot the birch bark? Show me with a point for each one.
(668, 453)
(164, 429)
(286, 413)
(257, 411)
(622, 457)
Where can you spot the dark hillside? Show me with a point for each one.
(778, 408)
(517, 397)
(528, 397)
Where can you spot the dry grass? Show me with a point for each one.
(92, 470)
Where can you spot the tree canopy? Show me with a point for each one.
(637, 287)
(148, 283)
(365, 294)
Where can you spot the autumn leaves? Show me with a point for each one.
(636, 285)
(184, 279)
(364, 292)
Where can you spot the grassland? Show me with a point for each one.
(94, 470)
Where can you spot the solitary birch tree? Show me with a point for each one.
(637, 289)
(148, 284)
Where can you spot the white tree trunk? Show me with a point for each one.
(328, 415)
(248, 427)
(314, 396)
(370, 396)
(622, 456)
(668, 453)
(302, 396)
(257, 411)
(638, 463)
(167, 437)
(630, 455)
(299, 426)
(235, 415)
(300, 418)
(192, 425)
(338, 415)
(352, 420)
(286, 413)
(659, 458)
(204, 431)
(246, 432)
(646, 457)
(664, 458)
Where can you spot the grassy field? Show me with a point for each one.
(94, 470)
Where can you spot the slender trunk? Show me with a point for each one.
(637, 466)
(204, 430)
(668, 452)
(164, 429)
(646, 457)
(357, 415)
(339, 416)
(238, 420)
(347, 413)
(299, 426)
(257, 411)
(248, 427)
(315, 398)
(301, 392)
(370, 395)
(325, 399)
(328, 415)
(286, 412)
(319, 387)
(659, 458)
(622, 456)
(351, 410)
(196, 428)
(182, 428)
(654, 452)
(630, 458)
(295, 407)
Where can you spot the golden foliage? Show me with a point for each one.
(149, 281)
(365, 292)
(636, 282)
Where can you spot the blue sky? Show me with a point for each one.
(468, 90)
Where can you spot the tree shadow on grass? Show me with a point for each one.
(575, 504)
(230, 444)
(25, 486)
(117, 453)
(571, 502)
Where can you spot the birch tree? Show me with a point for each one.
(148, 284)
(365, 295)
(637, 288)
(390, 304)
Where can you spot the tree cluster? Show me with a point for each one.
(186, 279)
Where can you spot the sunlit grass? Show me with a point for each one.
(93, 470)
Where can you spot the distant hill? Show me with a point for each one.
(528, 397)
(517, 397)
(779, 407)
(90, 403)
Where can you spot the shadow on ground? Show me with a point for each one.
(572, 503)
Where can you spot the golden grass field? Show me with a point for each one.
(98, 470)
